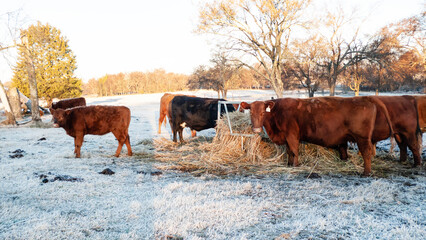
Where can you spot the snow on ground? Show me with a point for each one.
(139, 202)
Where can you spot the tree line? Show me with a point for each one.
(221, 77)
(135, 83)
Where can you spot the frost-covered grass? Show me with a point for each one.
(135, 204)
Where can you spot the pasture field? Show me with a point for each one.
(46, 193)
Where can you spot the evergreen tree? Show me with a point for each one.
(54, 64)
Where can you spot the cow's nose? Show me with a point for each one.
(257, 130)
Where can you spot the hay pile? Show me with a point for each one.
(227, 154)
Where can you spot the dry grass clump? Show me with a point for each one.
(229, 154)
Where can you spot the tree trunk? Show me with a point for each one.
(35, 114)
(277, 84)
(311, 92)
(332, 85)
(7, 109)
(15, 102)
(332, 89)
(379, 81)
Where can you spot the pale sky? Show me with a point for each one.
(109, 37)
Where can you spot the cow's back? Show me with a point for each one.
(69, 103)
(326, 121)
(166, 99)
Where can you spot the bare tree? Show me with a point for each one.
(222, 72)
(339, 53)
(259, 29)
(200, 79)
(10, 22)
(303, 64)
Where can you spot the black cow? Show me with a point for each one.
(194, 112)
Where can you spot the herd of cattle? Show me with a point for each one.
(326, 121)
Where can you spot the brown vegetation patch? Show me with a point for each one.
(227, 154)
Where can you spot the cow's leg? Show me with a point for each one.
(75, 145)
(180, 131)
(414, 146)
(293, 152)
(129, 148)
(373, 150)
(343, 151)
(290, 155)
(366, 148)
(121, 138)
(174, 136)
(78, 142)
(193, 133)
(402, 150)
(160, 120)
(174, 130)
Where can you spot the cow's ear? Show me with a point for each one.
(269, 105)
(245, 105)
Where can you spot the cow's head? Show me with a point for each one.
(258, 111)
(59, 117)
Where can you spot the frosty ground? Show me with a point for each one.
(46, 193)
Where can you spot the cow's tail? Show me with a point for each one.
(418, 129)
(384, 109)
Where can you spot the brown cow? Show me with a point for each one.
(325, 121)
(421, 108)
(403, 115)
(69, 103)
(96, 120)
(164, 110)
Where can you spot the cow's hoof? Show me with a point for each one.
(417, 165)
